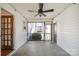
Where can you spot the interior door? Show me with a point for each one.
(6, 32)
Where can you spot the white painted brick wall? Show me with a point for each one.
(68, 30)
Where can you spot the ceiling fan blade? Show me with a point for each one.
(32, 11)
(44, 15)
(36, 15)
(50, 10)
(40, 6)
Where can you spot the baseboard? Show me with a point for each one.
(39, 40)
(10, 54)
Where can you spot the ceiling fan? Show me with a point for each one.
(40, 11)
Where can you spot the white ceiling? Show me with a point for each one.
(23, 7)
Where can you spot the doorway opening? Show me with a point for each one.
(6, 32)
(39, 31)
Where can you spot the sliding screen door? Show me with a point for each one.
(34, 28)
(48, 32)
